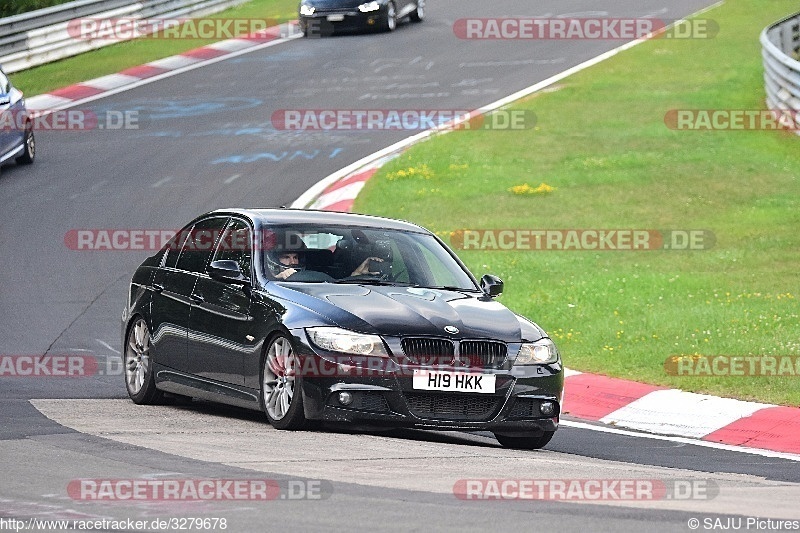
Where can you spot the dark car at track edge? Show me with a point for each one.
(336, 317)
(319, 18)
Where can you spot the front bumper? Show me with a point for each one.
(386, 396)
(326, 23)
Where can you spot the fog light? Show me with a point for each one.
(345, 398)
(547, 408)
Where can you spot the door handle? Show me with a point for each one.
(157, 288)
(197, 298)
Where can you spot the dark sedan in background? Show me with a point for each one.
(323, 17)
(16, 127)
(321, 316)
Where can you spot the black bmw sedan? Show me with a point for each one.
(320, 316)
(323, 17)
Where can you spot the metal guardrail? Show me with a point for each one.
(41, 36)
(780, 48)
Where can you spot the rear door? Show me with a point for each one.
(173, 285)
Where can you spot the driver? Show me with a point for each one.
(289, 257)
(284, 264)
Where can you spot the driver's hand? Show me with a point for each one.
(363, 268)
(286, 273)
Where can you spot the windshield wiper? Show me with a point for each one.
(448, 288)
(372, 281)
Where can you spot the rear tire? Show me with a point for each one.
(29, 150)
(525, 443)
(281, 391)
(418, 15)
(139, 376)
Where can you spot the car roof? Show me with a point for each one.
(270, 217)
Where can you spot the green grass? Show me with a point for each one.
(9, 8)
(117, 57)
(601, 141)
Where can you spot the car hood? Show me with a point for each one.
(400, 311)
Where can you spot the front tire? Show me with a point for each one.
(139, 376)
(281, 395)
(29, 150)
(418, 15)
(525, 443)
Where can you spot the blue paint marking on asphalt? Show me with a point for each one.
(265, 130)
(277, 156)
(169, 109)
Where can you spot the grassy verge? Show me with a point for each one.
(8, 9)
(601, 141)
(116, 57)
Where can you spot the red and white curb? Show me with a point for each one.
(162, 68)
(340, 195)
(632, 405)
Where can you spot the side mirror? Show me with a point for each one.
(227, 271)
(491, 285)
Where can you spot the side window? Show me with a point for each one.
(236, 245)
(196, 250)
(5, 85)
(173, 247)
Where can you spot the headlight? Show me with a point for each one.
(344, 341)
(369, 6)
(537, 353)
(307, 10)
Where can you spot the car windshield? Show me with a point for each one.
(376, 256)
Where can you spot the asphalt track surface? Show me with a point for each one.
(206, 141)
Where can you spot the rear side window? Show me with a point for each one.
(5, 85)
(197, 248)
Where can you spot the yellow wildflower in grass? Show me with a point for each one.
(418, 171)
(525, 189)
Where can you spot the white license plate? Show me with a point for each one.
(453, 381)
(335, 18)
